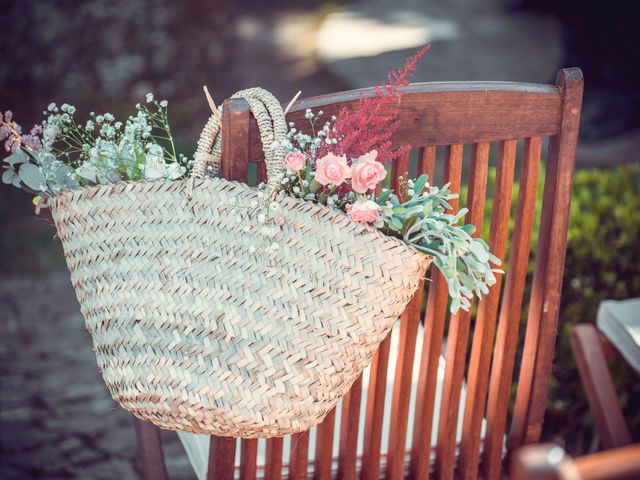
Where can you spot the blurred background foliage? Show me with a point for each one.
(104, 56)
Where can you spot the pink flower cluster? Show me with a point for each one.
(364, 174)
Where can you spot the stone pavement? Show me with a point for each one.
(58, 419)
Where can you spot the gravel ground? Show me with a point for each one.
(58, 419)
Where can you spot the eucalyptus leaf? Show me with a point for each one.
(17, 158)
(9, 176)
(420, 182)
(383, 197)
(32, 177)
(407, 224)
(399, 210)
(469, 229)
(395, 224)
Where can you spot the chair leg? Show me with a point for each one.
(150, 450)
(598, 385)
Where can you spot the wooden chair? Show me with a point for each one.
(549, 462)
(439, 119)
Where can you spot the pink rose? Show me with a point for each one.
(294, 161)
(332, 169)
(367, 173)
(365, 212)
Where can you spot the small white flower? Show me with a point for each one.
(164, 103)
(149, 97)
(51, 107)
(296, 189)
(274, 206)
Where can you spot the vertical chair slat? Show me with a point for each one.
(542, 320)
(375, 411)
(235, 151)
(509, 321)
(457, 338)
(261, 173)
(235, 140)
(299, 458)
(324, 447)
(350, 420)
(432, 344)
(479, 361)
(273, 464)
(248, 456)
(399, 168)
(409, 323)
(222, 456)
(150, 450)
(427, 162)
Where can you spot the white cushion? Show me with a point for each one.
(619, 321)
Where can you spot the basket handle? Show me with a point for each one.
(272, 125)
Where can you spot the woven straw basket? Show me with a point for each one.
(209, 316)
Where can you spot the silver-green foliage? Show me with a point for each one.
(422, 221)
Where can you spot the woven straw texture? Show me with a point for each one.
(200, 323)
(212, 314)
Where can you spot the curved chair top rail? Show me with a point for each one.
(445, 113)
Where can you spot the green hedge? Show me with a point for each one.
(603, 262)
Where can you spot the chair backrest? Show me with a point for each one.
(448, 123)
(439, 119)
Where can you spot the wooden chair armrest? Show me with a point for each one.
(549, 462)
(587, 346)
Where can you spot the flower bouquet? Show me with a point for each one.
(219, 308)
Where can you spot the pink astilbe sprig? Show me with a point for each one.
(372, 123)
(11, 134)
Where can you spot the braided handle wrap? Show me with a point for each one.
(209, 149)
(272, 125)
